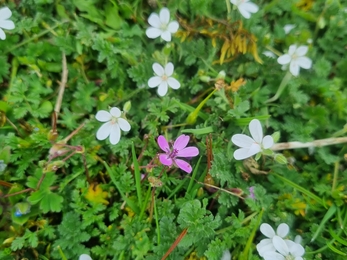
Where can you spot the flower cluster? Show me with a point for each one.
(5, 14)
(275, 246)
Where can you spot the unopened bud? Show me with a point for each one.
(280, 158)
(205, 78)
(127, 106)
(221, 75)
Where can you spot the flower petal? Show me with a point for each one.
(158, 69)
(282, 230)
(169, 69)
(267, 142)
(2, 35)
(243, 153)
(85, 257)
(154, 20)
(173, 83)
(265, 245)
(234, 2)
(103, 116)
(288, 27)
(5, 13)
(104, 131)
(153, 33)
(164, 159)
(173, 27)
(226, 255)
(250, 7)
(166, 36)
(183, 165)
(295, 249)
(294, 68)
(115, 111)
(190, 151)
(162, 89)
(115, 134)
(181, 142)
(292, 49)
(124, 124)
(284, 59)
(280, 245)
(267, 230)
(9, 25)
(242, 140)
(302, 50)
(163, 144)
(164, 15)
(273, 256)
(244, 12)
(304, 62)
(154, 81)
(256, 130)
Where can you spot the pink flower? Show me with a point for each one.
(178, 149)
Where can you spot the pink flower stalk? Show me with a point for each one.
(178, 149)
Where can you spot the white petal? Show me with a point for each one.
(173, 83)
(153, 33)
(243, 153)
(288, 27)
(273, 256)
(169, 69)
(265, 245)
(256, 130)
(267, 142)
(124, 125)
(294, 68)
(282, 230)
(103, 116)
(269, 54)
(244, 12)
(226, 255)
(154, 20)
(164, 15)
(115, 112)
(154, 81)
(304, 62)
(85, 257)
(250, 7)
(158, 69)
(242, 140)
(284, 59)
(2, 35)
(234, 2)
(115, 134)
(173, 27)
(280, 245)
(5, 13)
(298, 239)
(267, 230)
(295, 249)
(301, 51)
(162, 89)
(104, 131)
(166, 36)
(292, 49)
(9, 25)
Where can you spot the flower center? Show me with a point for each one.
(163, 27)
(114, 120)
(164, 77)
(172, 154)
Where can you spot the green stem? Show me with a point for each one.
(156, 220)
(282, 86)
(336, 173)
(228, 8)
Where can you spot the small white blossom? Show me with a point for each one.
(286, 250)
(226, 255)
(296, 59)
(288, 27)
(245, 7)
(161, 25)
(85, 257)
(112, 126)
(269, 54)
(5, 13)
(163, 78)
(251, 146)
(267, 245)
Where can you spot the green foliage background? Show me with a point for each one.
(109, 61)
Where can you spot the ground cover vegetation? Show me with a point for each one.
(178, 129)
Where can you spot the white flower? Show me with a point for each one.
(287, 250)
(251, 146)
(163, 78)
(269, 54)
(245, 7)
(5, 13)
(114, 123)
(288, 27)
(161, 25)
(296, 59)
(226, 255)
(85, 257)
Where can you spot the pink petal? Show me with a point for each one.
(164, 159)
(103, 116)
(181, 142)
(183, 165)
(163, 144)
(188, 152)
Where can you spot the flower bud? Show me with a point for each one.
(127, 106)
(221, 75)
(280, 158)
